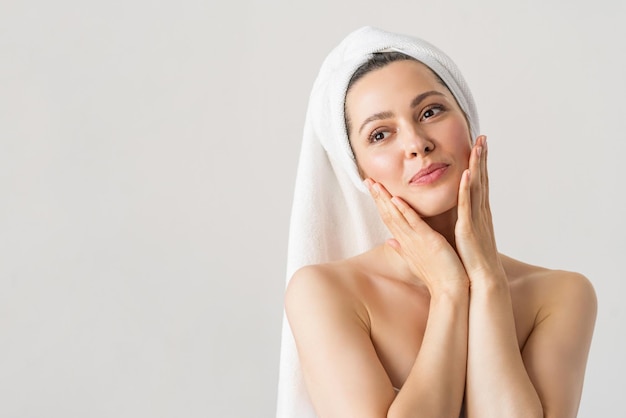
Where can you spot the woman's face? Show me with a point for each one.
(408, 133)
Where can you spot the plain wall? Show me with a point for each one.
(147, 159)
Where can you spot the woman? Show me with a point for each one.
(432, 321)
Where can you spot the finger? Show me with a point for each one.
(480, 201)
(404, 218)
(475, 178)
(412, 218)
(400, 218)
(414, 234)
(375, 191)
(389, 213)
(485, 178)
(464, 210)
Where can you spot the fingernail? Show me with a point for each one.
(479, 150)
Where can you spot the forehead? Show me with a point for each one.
(395, 84)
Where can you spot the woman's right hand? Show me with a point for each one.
(428, 254)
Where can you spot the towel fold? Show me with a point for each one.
(333, 217)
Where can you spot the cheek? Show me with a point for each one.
(462, 140)
(377, 166)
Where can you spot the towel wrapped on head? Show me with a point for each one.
(333, 217)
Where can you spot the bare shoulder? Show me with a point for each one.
(551, 288)
(568, 286)
(331, 327)
(332, 287)
(327, 275)
(560, 307)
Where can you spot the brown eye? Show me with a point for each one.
(378, 136)
(432, 111)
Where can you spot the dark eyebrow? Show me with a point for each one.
(376, 116)
(420, 97)
(414, 103)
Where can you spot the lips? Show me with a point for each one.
(429, 174)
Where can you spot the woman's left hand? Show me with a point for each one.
(475, 240)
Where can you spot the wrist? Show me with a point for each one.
(490, 277)
(453, 290)
(496, 283)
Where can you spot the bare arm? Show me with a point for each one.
(497, 382)
(341, 369)
(556, 352)
(435, 386)
(546, 379)
(343, 374)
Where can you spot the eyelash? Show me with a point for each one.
(372, 138)
(437, 107)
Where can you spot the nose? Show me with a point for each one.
(416, 143)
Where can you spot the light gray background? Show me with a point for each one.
(147, 160)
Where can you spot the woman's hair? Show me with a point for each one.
(378, 60)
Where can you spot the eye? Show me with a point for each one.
(379, 135)
(432, 111)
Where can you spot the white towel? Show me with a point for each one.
(333, 217)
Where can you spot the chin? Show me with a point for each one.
(435, 209)
(434, 205)
(433, 213)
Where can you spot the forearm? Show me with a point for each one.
(435, 385)
(497, 382)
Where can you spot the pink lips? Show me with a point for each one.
(429, 174)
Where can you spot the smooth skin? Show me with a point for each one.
(436, 311)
